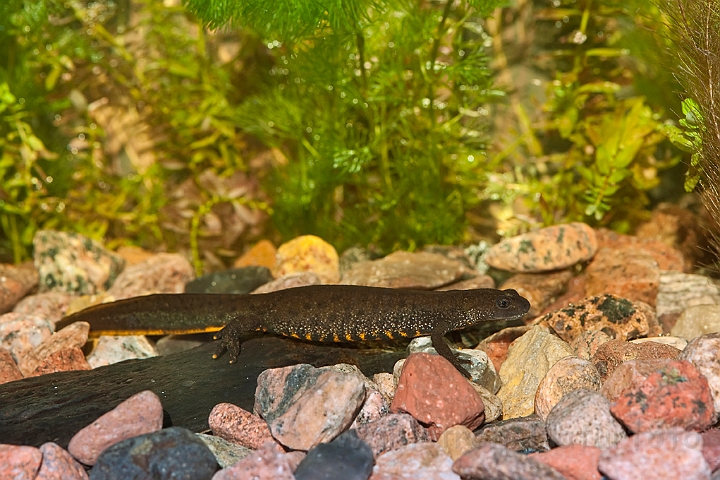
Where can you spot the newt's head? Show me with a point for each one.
(489, 304)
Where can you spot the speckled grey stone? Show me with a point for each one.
(583, 417)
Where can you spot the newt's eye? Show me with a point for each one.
(503, 303)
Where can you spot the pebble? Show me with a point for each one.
(677, 342)
(65, 360)
(666, 257)
(392, 432)
(238, 281)
(476, 362)
(19, 462)
(481, 281)
(493, 405)
(436, 394)
(265, 463)
(132, 254)
(309, 253)
(696, 321)
(15, 283)
(161, 273)
(9, 370)
(457, 441)
(494, 461)
(58, 464)
(678, 291)
(574, 293)
(680, 228)
(171, 453)
(550, 248)
(417, 461)
(616, 316)
(421, 270)
(568, 374)
(575, 462)
(630, 374)
(587, 343)
(626, 273)
(50, 306)
(658, 454)
(20, 333)
(239, 426)
(539, 288)
(74, 335)
(140, 414)
(496, 345)
(291, 280)
(385, 384)
(111, 349)
(305, 406)
(582, 417)
(347, 458)
(70, 262)
(711, 448)
(262, 254)
(529, 359)
(677, 395)
(226, 453)
(525, 434)
(612, 354)
(375, 406)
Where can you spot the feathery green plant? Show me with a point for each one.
(378, 108)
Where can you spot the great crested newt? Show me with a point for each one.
(320, 313)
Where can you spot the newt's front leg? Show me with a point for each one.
(438, 341)
(229, 338)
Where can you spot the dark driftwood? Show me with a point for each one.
(51, 408)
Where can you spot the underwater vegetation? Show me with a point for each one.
(202, 127)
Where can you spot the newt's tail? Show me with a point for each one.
(159, 314)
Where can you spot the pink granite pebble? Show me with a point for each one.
(19, 463)
(575, 462)
(493, 461)
(9, 370)
(21, 333)
(239, 426)
(161, 273)
(74, 335)
(392, 432)
(671, 454)
(550, 248)
(266, 463)
(47, 305)
(140, 414)
(418, 461)
(436, 394)
(677, 395)
(711, 448)
(305, 406)
(15, 282)
(65, 360)
(58, 464)
(625, 273)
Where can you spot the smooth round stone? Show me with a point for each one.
(171, 453)
(568, 374)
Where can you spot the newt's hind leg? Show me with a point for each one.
(229, 338)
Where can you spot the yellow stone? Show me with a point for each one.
(262, 254)
(309, 253)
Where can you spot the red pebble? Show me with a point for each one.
(437, 395)
(677, 395)
(19, 463)
(239, 426)
(575, 462)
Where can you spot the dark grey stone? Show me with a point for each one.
(347, 458)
